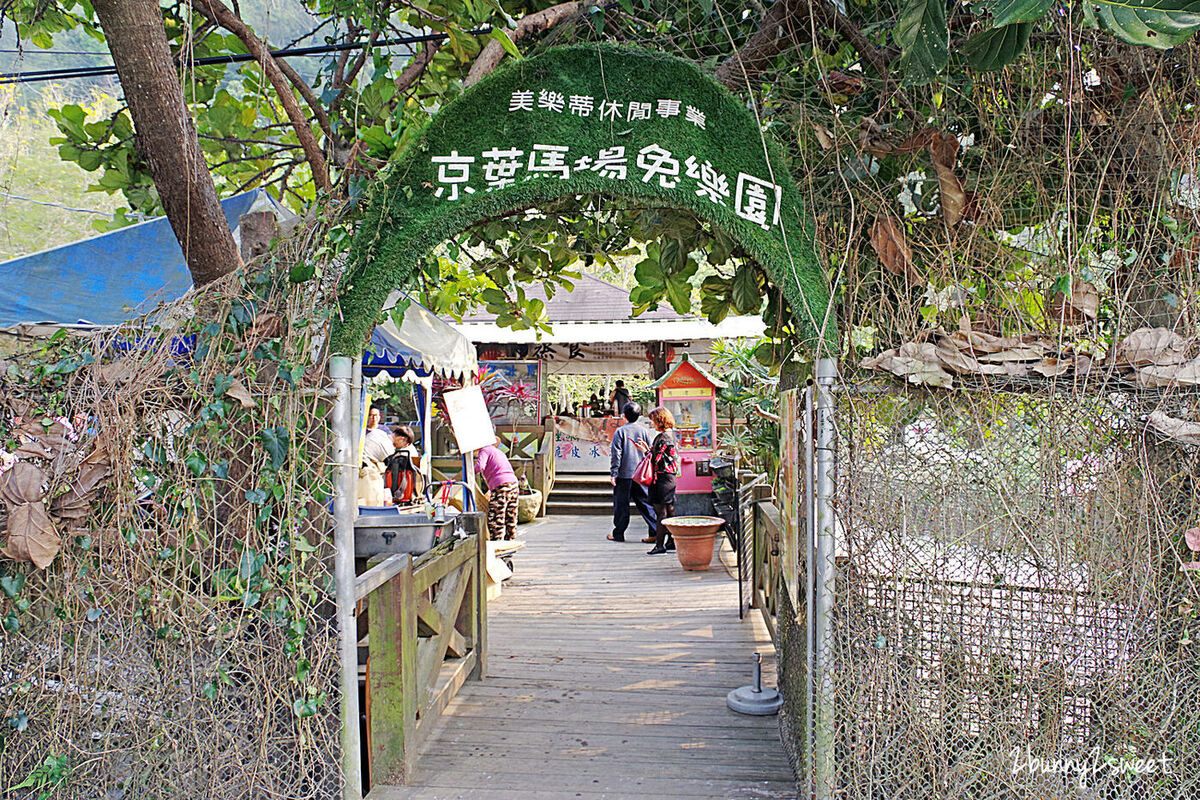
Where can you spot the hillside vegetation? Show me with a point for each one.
(31, 168)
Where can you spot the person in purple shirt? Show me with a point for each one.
(502, 491)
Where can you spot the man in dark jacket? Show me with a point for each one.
(624, 460)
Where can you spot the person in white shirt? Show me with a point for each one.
(377, 446)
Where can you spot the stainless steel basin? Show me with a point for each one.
(385, 530)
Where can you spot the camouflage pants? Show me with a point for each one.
(502, 512)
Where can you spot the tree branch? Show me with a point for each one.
(216, 11)
(416, 66)
(309, 96)
(493, 52)
(778, 31)
(782, 27)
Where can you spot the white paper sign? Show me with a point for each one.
(470, 419)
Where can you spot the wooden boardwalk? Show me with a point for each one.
(606, 680)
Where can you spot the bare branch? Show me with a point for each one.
(493, 52)
(416, 67)
(216, 11)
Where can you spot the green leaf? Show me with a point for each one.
(196, 462)
(646, 295)
(924, 39)
(303, 272)
(1143, 23)
(673, 257)
(12, 585)
(997, 48)
(276, 441)
(649, 274)
(720, 248)
(746, 297)
(43, 40)
(1006, 12)
(679, 294)
(714, 307)
(510, 47)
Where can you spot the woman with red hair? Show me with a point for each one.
(665, 461)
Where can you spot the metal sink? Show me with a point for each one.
(386, 530)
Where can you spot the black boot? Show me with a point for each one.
(658, 548)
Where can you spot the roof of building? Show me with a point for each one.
(591, 300)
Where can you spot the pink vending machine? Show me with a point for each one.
(690, 394)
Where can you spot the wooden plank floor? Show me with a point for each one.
(606, 680)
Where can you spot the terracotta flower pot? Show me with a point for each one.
(694, 538)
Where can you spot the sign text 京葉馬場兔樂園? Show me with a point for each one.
(754, 199)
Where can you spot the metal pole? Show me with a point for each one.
(345, 508)
(823, 740)
(810, 555)
(427, 432)
(356, 411)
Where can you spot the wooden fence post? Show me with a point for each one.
(393, 613)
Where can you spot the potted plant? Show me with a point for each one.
(694, 539)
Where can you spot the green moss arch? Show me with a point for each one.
(517, 108)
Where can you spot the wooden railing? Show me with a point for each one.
(426, 635)
(766, 561)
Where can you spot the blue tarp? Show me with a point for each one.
(104, 280)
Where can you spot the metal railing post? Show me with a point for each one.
(824, 781)
(810, 577)
(345, 509)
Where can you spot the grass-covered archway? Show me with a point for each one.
(581, 120)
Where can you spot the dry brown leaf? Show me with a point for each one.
(239, 392)
(90, 475)
(918, 362)
(963, 362)
(1016, 369)
(117, 372)
(40, 441)
(267, 325)
(1171, 375)
(1151, 346)
(891, 245)
(1186, 256)
(1178, 429)
(1014, 354)
(882, 361)
(943, 149)
(980, 343)
(839, 82)
(31, 535)
(1053, 367)
(33, 448)
(1192, 537)
(824, 137)
(22, 483)
(915, 361)
(72, 505)
(953, 196)
(915, 143)
(1081, 307)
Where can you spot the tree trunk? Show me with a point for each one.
(166, 135)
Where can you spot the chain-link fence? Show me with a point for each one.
(1013, 615)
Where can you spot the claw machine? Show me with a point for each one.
(690, 394)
